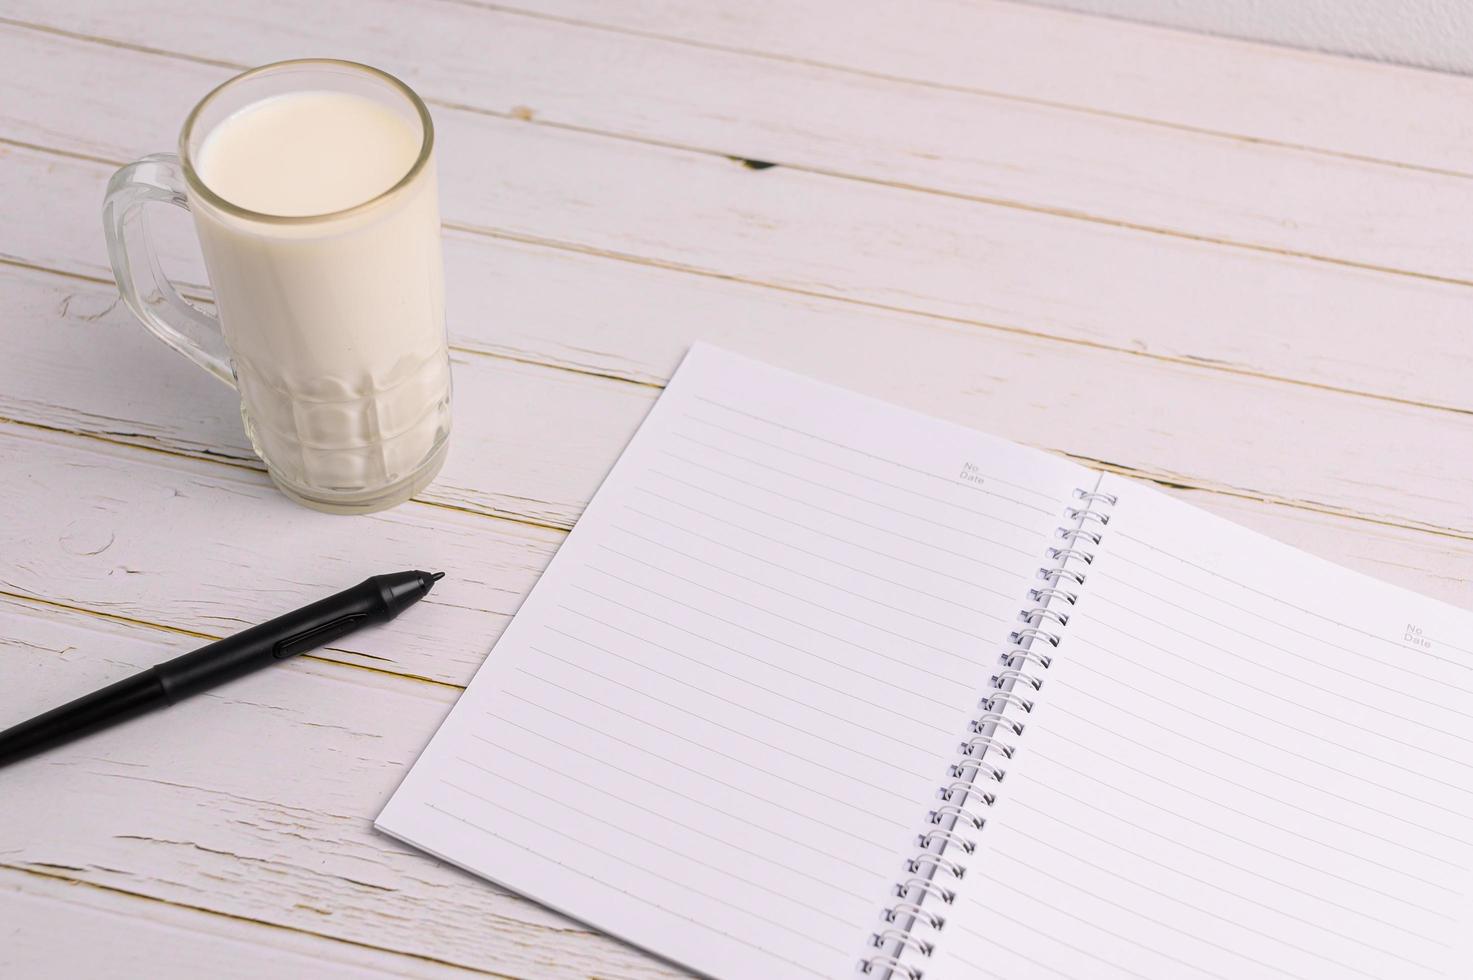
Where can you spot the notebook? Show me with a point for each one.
(822, 687)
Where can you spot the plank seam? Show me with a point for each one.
(1311, 506)
(563, 245)
(36, 600)
(1165, 480)
(960, 89)
(1185, 360)
(54, 875)
(1067, 214)
(824, 65)
(129, 440)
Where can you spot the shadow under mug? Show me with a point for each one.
(330, 326)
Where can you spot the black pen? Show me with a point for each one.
(375, 600)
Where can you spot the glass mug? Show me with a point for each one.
(331, 326)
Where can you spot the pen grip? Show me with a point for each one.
(288, 635)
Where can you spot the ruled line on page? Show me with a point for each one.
(869, 476)
(1115, 845)
(1227, 920)
(1114, 707)
(703, 747)
(1138, 828)
(899, 661)
(813, 578)
(764, 950)
(1014, 887)
(861, 452)
(980, 970)
(1096, 726)
(1242, 709)
(950, 529)
(772, 639)
(1263, 691)
(1212, 828)
(1318, 664)
(868, 525)
(1254, 817)
(806, 817)
(563, 806)
(1011, 915)
(888, 790)
(972, 558)
(857, 900)
(1465, 815)
(817, 605)
(747, 529)
(890, 737)
(830, 488)
(1464, 664)
(908, 613)
(726, 646)
(805, 844)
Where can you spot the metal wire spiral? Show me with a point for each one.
(975, 776)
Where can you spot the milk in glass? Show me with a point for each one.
(334, 316)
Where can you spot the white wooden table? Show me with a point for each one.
(1242, 272)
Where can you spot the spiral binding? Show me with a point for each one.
(974, 779)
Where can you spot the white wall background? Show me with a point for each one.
(1427, 33)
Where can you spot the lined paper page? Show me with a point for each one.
(1245, 762)
(716, 725)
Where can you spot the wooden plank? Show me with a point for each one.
(86, 516)
(960, 143)
(866, 244)
(86, 513)
(534, 442)
(633, 321)
(127, 936)
(255, 801)
(98, 526)
(529, 442)
(1028, 52)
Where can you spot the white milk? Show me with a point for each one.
(335, 323)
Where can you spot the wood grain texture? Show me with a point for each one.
(1232, 433)
(108, 552)
(103, 552)
(256, 801)
(1090, 64)
(1029, 156)
(126, 935)
(870, 245)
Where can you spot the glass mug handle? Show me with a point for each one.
(152, 297)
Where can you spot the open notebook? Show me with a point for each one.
(821, 686)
